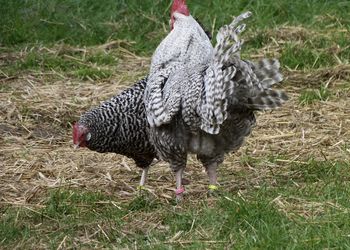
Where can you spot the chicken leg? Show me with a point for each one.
(211, 164)
(211, 171)
(180, 189)
(143, 179)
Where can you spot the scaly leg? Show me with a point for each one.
(211, 171)
(143, 179)
(179, 187)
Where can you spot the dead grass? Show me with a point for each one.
(337, 75)
(36, 154)
(39, 107)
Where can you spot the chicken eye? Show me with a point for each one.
(88, 137)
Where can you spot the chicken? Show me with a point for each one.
(210, 106)
(187, 45)
(119, 125)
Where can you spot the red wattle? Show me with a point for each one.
(75, 133)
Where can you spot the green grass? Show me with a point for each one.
(102, 59)
(93, 65)
(37, 23)
(93, 73)
(316, 51)
(93, 22)
(311, 96)
(45, 61)
(66, 212)
(297, 56)
(311, 215)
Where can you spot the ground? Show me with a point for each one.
(287, 187)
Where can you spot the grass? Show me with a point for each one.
(92, 73)
(309, 96)
(301, 57)
(85, 66)
(311, 215)
(90, 22)
(65, 213)
(287, 189)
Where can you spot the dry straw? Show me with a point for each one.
(36, 153)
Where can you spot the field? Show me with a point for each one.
(287, 188)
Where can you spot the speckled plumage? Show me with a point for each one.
(119, 125)
(211, 105)
(187, 45)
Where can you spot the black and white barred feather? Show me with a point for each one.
(119, 125)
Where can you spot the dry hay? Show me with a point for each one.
(313, 78)
(36, 152)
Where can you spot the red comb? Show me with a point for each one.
(180, 6)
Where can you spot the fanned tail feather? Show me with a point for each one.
(230, 80)
(217, 81)
(268, 99)
(267, 72)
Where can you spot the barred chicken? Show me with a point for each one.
(207, 107)
(119, 126)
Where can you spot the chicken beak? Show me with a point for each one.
(76, 146)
